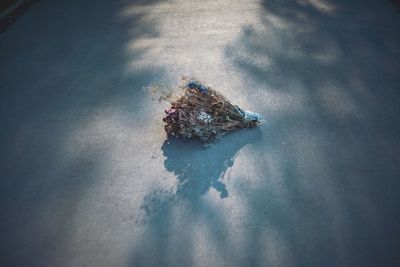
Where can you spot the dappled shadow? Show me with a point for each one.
(64, 88)
(318, 189)
(331, 78)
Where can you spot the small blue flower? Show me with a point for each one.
(198, 86)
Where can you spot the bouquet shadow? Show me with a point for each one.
(198, 168)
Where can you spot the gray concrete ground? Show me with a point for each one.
(88, 178)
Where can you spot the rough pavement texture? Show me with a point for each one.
(88, 179)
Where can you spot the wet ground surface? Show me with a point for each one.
(89, 179)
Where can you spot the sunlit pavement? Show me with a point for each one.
(88, 178)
